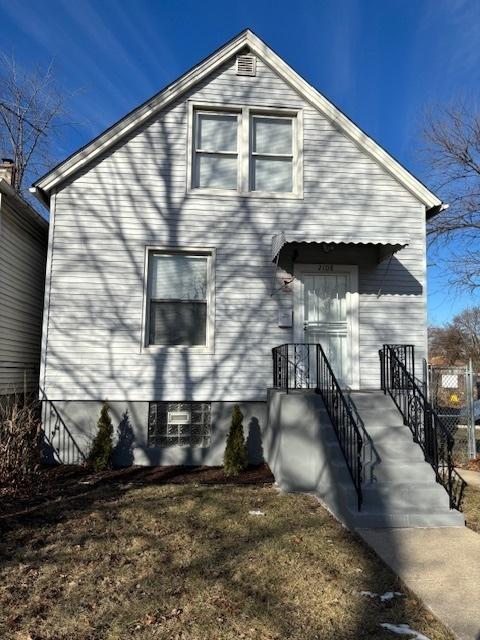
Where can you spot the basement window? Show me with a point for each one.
(179, 424)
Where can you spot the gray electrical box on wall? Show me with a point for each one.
(285, 318)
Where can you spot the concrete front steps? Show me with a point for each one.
(400, 489)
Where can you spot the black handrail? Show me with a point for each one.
(342, 419)
(305, 366)
(398, 379)
(292, 366)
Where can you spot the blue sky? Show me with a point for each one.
(383, 62)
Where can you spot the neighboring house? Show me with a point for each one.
(23, 254)
(234, 211)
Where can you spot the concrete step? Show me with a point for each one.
(413, 472)
(389, 432)
(395, 452)
(378, 436)
(394, 514)
(375, 408)
(388, 452)
(407, 497)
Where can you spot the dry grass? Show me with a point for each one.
(190, 562)
(471, 507)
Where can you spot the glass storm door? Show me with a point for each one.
(326, 317)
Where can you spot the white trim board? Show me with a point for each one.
(44, 186)
(352, 298)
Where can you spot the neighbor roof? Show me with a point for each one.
(20, 207)
(44, 186)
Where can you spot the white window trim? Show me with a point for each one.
(245, 114)
(209, 253)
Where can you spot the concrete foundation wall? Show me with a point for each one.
(70, 427)
(298, 448)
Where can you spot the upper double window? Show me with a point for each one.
(248, 151)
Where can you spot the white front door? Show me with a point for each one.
(325, 314)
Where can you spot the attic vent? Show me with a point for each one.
(246, 65)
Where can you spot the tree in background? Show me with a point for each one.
(458, 340)
(235, 459)
(100, 456)
(453, 153)
(32, 114)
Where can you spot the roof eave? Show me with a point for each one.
(41, 195)
(435, 210)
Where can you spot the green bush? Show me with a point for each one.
(235, 459)
(100, 456)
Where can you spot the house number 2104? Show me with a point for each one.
(325, 267)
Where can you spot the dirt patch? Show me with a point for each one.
(69, 481)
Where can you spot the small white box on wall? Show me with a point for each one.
(285, 318)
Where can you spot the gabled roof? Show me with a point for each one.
(247, 38)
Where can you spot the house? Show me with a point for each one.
(235, 211)
(23, 254)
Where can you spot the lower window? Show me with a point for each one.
(179, 424)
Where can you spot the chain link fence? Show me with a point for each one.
(454, 394)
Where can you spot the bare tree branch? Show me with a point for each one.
(32, 115)
(453, 152)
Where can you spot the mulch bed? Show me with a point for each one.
(70, 481)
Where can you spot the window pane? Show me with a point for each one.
(272, 135)
(195, 432)
(178, 277)
(272, 174)
(216, 132)
(215, 171)
(178, 323)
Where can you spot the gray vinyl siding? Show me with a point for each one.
(136, 196)
(23, 251)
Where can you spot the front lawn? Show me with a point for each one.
(123, 560)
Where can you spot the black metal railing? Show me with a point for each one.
(305, 366)
(398, 380)
(342, 418)
(292, 366)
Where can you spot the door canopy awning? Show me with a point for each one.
(386, 246)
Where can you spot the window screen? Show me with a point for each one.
(177, 290)
(179, 424)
